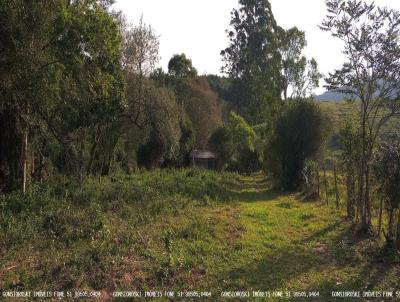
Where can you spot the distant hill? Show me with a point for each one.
(333, 96)
(336, 96)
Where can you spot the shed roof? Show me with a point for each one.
(202, 154)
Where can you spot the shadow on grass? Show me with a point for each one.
(253, 189)
(254, 196)
(298, 259)
(366, 256)
(332, 248)
(272, 273)
(322, 233)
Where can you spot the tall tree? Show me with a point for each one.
(300, 76)
(60, 70)
(253, 61)
(181, 67)
(372, 73)
(152, 106)
(203, 109)
(140, 55)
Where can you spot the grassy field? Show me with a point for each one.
(209, 231)
(340, 111)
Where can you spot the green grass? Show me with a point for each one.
(183, 230)
(338, 112)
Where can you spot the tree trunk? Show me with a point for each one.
(326, 186)
(350, 186)
(360, 197)
(92, 154)
(33, 166)
(24, 154)
(390, 235)
(82, 158)
(40, 170)
(380, 218)
(368, 211)
(318, 186)
(106, 168)
(398, 230)
(336, 187)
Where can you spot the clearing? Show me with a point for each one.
(258, 240)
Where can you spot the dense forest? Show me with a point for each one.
(96, 144)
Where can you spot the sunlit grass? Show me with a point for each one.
(185, 230)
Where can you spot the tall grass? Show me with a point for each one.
(83, 231)
(70, 211)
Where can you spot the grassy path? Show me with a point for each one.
(254, 240)
(284, 244)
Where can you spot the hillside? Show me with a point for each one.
(338, 112)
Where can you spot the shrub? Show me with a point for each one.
(387, 171)
(235, 144)
(297, 136)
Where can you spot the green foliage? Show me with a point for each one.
(370, 73)
(350, 145)
(202, 107)
(61, 73)
(387, 171)
(299, 75)
(221, 143)
(163, 126)
(68, 211)
(247, 162)
(235, 142)
(253, 61)
(221, 86)
(181, 67)
(187, 141)
(298, 136)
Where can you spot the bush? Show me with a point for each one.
(248, 161)
(235, 145)
(387, 171)
(297, 136)
(221, 143)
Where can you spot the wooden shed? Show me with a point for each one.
(204, 159)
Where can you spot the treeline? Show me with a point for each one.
(80, 95)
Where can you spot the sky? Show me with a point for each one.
(197, 28)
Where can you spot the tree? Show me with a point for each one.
(300, 76)
(140, 55)
(350, 147)
(221, 86)
(60, 74)
(372, 73)
(298, 135)
(181, 67)
(163, 130)
(253, 61)
(221, 143)
(202, 106)
(387, 170)
(234, 142)
(141, 47)
(152, 106)
(186, 142)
